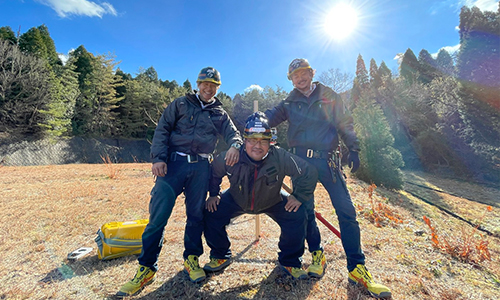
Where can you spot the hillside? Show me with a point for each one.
(49, 211)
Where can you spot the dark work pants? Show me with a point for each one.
(346, 213)
(192, 179)
(292, 224)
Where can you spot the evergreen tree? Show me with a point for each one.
(410, 67)
(32, 42)
(243, 106)
(386, 76)
(37, 41)
(478, 67)
(226, 101)
(83, 61)
(271, 98)
(375, 77)
(187, 86)
(141, 107)
(380, 162)
(95, 111)
(361, 81)
(148, 74)
(59, 112)
(51, 55)
(444, 63)
(7, 34)
(170, 85)
(427, 71)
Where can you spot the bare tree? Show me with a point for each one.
(337, 80)
(24, 89)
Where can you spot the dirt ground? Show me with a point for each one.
(49, 211)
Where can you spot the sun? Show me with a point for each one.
(341, 21)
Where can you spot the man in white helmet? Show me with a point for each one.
(317, 118)
(255, 187)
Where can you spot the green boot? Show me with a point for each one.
(143, 277)
(360, 276)
(192, 268)
(318, 265)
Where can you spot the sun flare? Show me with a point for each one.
(341, 21)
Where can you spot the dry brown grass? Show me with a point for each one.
(49, 211)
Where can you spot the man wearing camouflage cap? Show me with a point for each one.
(316, 117)
(183, 143)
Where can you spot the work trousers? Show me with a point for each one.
(182, 176)
(292, 224)
(335, 185)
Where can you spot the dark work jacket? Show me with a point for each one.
(256, 186)
(315, 122)
(187, 127)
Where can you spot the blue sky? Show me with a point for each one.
(251, 42)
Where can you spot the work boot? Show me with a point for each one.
(143, 277)
(318, 265)
(296, 273)
(216, 264)
(192, 268)
(360, 276)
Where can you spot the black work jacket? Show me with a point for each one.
(187, 127)
(256, 186)
(316, 121)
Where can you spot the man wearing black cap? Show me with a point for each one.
(183, 143)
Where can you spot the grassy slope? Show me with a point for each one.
(49, 211)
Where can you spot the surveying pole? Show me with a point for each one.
(257, 217)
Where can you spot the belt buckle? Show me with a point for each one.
(192, 158)
(309, 153)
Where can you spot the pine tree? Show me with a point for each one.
(187, 86)
(37, 41)
(82, 60)
(444, 63)
(96, 106)
(59, 112)
(410, 67)
(7, 34)
(427, 64)
(380, 161)
(32, 42)
(375, 77)
(478, 68)
(141, 108)
(361, 81)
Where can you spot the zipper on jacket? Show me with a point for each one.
(253, 188)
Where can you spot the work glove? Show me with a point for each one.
(353, 161)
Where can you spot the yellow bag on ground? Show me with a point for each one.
(117, 239)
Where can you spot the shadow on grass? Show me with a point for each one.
(355, 292)
(276, 286)
(82, 267)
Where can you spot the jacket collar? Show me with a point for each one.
(244, 158)
(194, 99)
(297, 96)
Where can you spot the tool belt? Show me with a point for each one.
(190, 158)
(311, 153)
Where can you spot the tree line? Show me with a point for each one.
(437, 112)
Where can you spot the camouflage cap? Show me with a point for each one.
(209, 74)
(297, 64)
